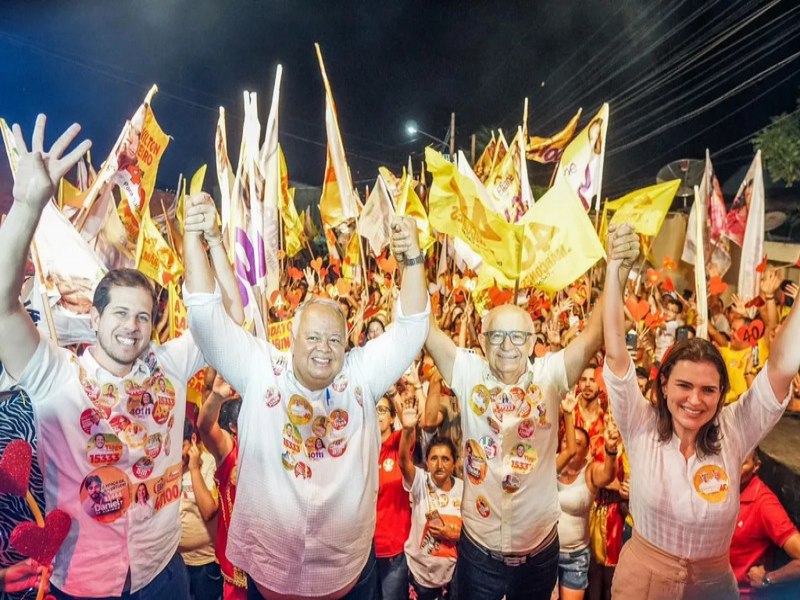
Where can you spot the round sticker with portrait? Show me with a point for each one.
(134, 435)
(523, 458)
(337, 448)
(90, 419)
(105, 494)
(163, 389)
(141, 407)
(152, 445)
(108, 398)
(300, 411)
(272, 397)
(339, 419)
(104, 449)
(315, 448)
(479, 399)
(321, 426)
(291, 438)
(711, 483)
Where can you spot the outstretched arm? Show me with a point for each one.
(600, 476)
(571, 446)
(216, 440)
(784, 355)
(408, 417)
(38, 173)
(206, 503)
(623, 249)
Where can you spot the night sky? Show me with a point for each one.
(670, 71)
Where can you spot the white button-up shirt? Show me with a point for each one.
(510, 436)
(308, 479)
(101, 438)
(689, 507)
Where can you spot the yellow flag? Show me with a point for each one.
(180, 205)
(69, 195)
(408, 203)
(351, 265)
(645, 208)
(293, 233)
(550, 149)
(484, 163)
(154, 256)
(177, 312)
(196, 186)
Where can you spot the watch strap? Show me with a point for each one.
(417, 260)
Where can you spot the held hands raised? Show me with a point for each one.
(623, 247)
(405, 238)
(39, 172)
(200, 217)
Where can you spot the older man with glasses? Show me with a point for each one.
(509, 418)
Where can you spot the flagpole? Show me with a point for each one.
(51, 324)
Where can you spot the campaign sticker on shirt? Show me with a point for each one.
(475, 462)
(105, 494)
(134, 388)
(340, 383)
(336, 448)
(162, 409)
(141, 407)
(510, 483)
(119, 423)
(278, 365)
(388, 465)
(90, 418)
(302, 471)
(321, 426)
(525, 407)
(503, 402)
(291, 438)
(339, 419)
(489, 447)
(108, 398)
(711, 483)
(104, 449)
(479, 399)
(163, 389)
(482, 506)
(533, 395)
(89, 386)
(315, 448)
(272, 397)
(541, 416)
(288, 461)
(523, 458)
(444, 500)
(167, 444)
(143, 468)
(526, 429)
(134, 435)
(152, 445)
(171, 422)
(494, 424)
(300, 411)
(167, 487)
(457, 503)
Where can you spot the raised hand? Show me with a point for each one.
(738, 305)
(409, 417)
(39, 172)
(308, 272)
(194, 455)
(568, 403)
(200, 216)
(405, 238)
(221, 387)
(23, 575)
(611, 432)
(623, 246)
(770, 282)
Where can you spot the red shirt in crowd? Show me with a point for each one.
(762, 525)
(226, 485)
(394, 508)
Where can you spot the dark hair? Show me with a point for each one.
(585, 434)
(188, 430)
(229, 414)
(376, 320)
(694, 350)
(439, 440)
(130, 278)
(757, 455)
(146, 493)
(92, 479)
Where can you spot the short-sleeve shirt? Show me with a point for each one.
(510, 437)
(689, 507)
(100, 437)
(198, 536)
(762, 526)
(393, 510)
(432, 561)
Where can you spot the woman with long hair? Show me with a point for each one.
(685, 451)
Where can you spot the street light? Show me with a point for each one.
(412, 130)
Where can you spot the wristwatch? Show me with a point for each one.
(417, 260)
(766, 582)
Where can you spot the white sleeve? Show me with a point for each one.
(754, 414)
(631, 409)
(383, 360)
(224, 344)
(45, 370)
(182, 356)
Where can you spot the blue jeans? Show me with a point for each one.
(205, 581)
(481, 577)
(393, 577)
(366, 587)
(171, 584)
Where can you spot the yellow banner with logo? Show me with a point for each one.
(645, 208)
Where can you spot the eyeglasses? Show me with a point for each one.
(518, 338)
(382, 410)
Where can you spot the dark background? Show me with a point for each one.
(680, 76)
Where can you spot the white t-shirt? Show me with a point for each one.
(510, 436)
(432, 561)
(100, 437)
(689, 507)
(307, 487)
(198, 536)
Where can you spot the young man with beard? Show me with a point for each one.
(134, 554)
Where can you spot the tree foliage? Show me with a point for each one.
(779, 143)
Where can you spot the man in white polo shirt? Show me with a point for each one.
(308, 431)
(95, 444)
(509, 418)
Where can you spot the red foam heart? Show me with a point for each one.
(638, 309)
(751, 333)
(762, 266)
(316, 264)
(539, 350)
(42, 543)
(716, 286)
(15, 468)
(668, 285)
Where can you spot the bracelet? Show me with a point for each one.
(213, 242)
(610, 453)
(417, 260)
(769, 297)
